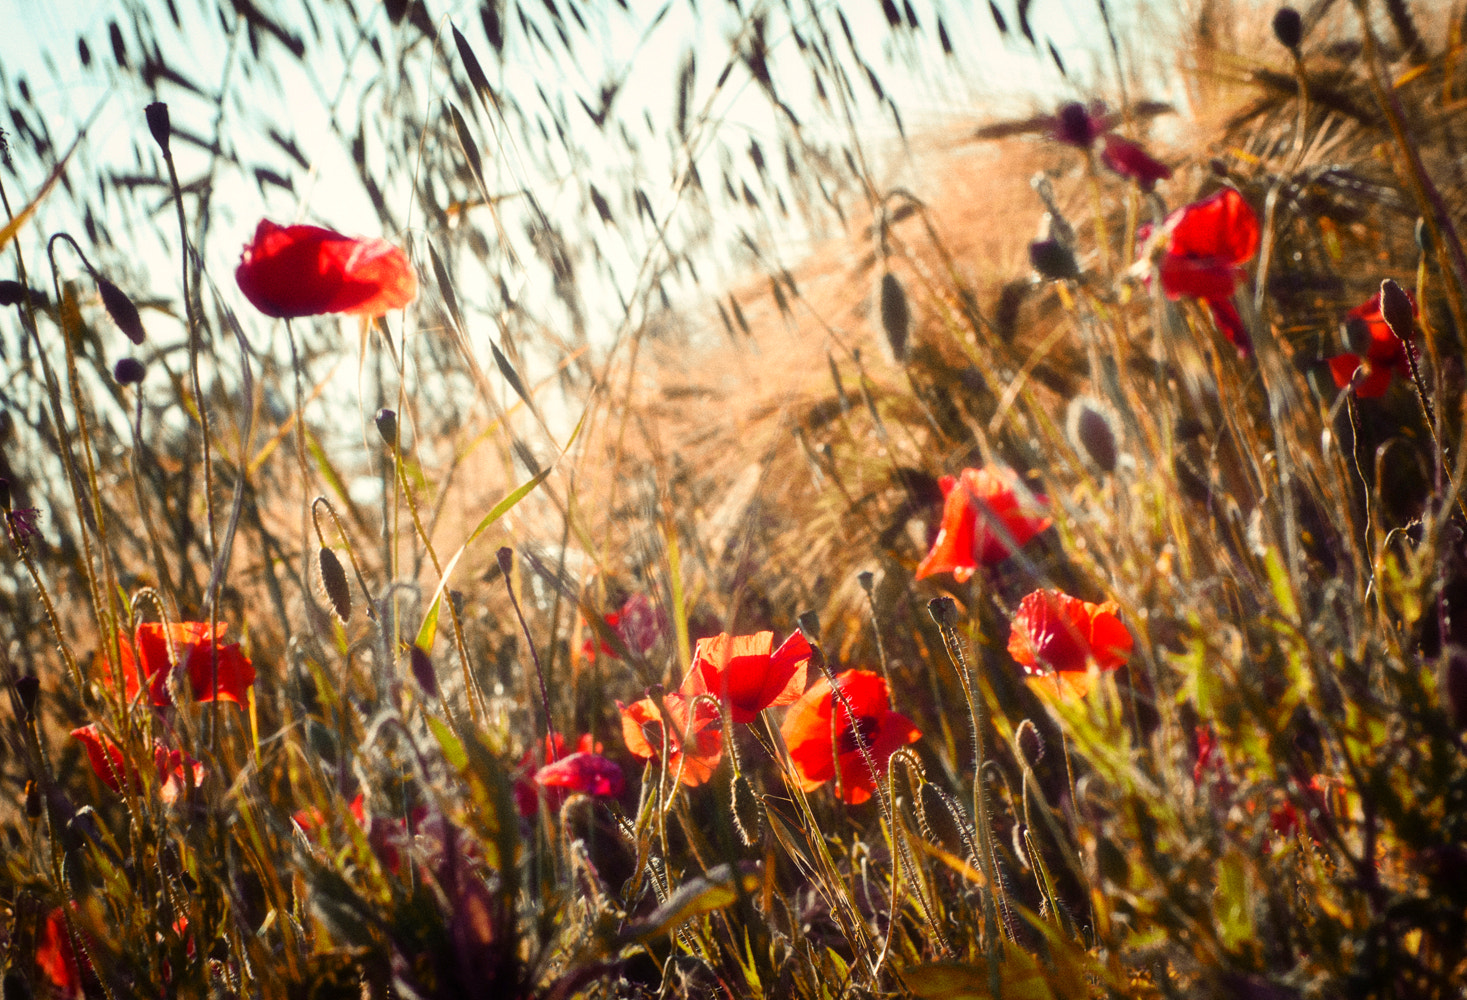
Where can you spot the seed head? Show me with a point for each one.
(158, 124)
(896, 316)
(944, 611)
(121, 309)
(333, 581)
(1029, 743)
(1091, 433)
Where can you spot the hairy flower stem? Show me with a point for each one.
(506, 566)
(194, 349)
(944, 612)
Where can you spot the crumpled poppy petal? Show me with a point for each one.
(1130, 160)
(589, 773)
(292, 271)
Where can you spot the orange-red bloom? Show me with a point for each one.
(1207, 244)
(1384, 356)
(747, 672)
(1057, 637)
(817, 748)
(109, 763)
(642, 729)
(289, 271)
(194, 644)
(986, 514)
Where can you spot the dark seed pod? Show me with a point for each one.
(1091, 433)
(387, 426)
(129, 371)
(944, 611)
(121, 309)
(1029, 743)
(1053, 260)
(896, 315)
(1288, 28)
(28, 689)
(422, 668)
(32, 800)
(1395, 307)
(158, 124)
(333, 581)
(11, 293)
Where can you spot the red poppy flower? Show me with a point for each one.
(589, 773)
(1057, 637)
(55, 958)
(289, 271)
(194, 644)
(111, 765)
(747, 672)
(1208, 242)
(1384, 356)
(1131, 161)
(817, 748)
(527, 790)
(986, 513)
(642, 729)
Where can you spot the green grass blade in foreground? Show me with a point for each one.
(429, 628)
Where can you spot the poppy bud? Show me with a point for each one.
(1075, 126)
(423, 672)
(944, 611)
(387, 425)
(129, 371)
(121, 309)
(333, 581)
(1091, 433)
(896, 315)
(158, 124)
(809, 626)
(866, 579)
(1053, 260)
(1029, 743)
(748, 811)
(1452, 685)
(11, 293)
(32, 799)
(1288, 28)
(1396, 309)
(28, 689)
(506, 560)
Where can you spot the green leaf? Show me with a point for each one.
(694, 898)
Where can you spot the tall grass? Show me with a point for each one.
(419, 558)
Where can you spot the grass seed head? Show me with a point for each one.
(896, 316)
(333, 582)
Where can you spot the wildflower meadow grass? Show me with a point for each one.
(468, 535)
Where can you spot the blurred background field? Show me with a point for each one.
(712, 300)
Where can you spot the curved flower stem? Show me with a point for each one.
(471, 688)
(351, 552)
(943, 611)
(506, 566)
